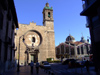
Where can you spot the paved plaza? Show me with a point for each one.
(25, 70)
(59, 69)
(56, 69)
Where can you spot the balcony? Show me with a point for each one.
(90, 9)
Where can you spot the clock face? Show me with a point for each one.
(33, 38)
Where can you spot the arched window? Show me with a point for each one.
(33, 39)
(49, 14)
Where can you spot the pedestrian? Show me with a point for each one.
(32, 66)
(37, 67)
(87, 65)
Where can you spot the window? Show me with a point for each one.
(87, 49)
(62, 49)
(58, 51)
(72, 51)
(1, 20)
(78, 51)
(67, 50)
(49, 14)
(82, 50)
(33, 39)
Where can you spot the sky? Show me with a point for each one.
(66, 14)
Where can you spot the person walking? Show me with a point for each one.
(37, 67)
(32, 66)
(87, 65)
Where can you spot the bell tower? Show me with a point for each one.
(48, 22)
(47, 15)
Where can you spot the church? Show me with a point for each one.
(35, 42)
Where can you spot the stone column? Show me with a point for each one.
(75, 50)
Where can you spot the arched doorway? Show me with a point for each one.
(33, 55)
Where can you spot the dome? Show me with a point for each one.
(83, 40)
(70, 38)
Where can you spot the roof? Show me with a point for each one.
(77, 43)
(83, 40)
(70, 38)
(48, 8)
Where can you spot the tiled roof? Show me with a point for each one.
(77, 43)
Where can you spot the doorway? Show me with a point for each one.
(33, 58)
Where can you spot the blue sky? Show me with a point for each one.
(66, 14)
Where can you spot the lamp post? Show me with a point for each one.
(19, 53)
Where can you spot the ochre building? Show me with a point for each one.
(36, 42)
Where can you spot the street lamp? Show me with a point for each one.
(19, 52)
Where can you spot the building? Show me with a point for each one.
(39, 41)
(73, 49)
(8, 23)
(91, 9)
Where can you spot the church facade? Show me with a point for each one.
(34, 42)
